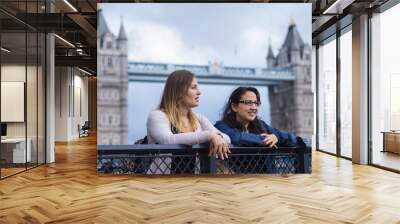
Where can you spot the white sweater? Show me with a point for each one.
(159, 131)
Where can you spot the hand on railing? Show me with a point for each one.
(269, 140)
(218, 147)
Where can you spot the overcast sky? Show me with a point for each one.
(236, 34)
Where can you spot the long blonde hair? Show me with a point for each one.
(175, 89)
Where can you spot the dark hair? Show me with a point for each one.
(229, 116)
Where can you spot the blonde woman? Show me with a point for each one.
(175, 123)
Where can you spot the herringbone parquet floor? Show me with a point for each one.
(70, 191)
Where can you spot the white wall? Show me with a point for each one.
(81, 84)
(33, 126)
(61, 103)
(71, 94)
(12, 73)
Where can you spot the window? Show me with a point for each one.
(385, 86)
(116, 120)
(116, 139)
(109, 45)
(19, 44)
(327, 97)
(346, 94)
(110, 119)
(104, 118)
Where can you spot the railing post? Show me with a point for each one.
(208, 165)
(204, 163)
(213, 165)
(307, 163)
(300, 160)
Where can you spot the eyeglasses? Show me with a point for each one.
(249, 102)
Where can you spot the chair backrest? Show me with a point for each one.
(86, 125)
(142, 141)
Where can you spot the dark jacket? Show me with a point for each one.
(241, 138)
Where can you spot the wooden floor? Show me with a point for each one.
(70, 191)
(5, 172)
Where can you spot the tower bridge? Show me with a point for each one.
(214, 73)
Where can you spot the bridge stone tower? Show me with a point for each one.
(112, 85)
(292, 101)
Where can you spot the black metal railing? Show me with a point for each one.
(181, 159)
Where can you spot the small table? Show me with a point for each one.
(391, 141)
(13, 150)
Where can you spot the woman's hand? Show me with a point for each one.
(269, 140)
(218, 146)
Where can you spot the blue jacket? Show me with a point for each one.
(241, 138)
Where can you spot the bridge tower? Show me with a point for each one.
(112, 85)
(292, 101)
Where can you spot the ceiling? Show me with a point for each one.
(76, 24)
(76, 21)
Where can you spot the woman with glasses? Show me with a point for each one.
(174, 122)
(241, 124)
